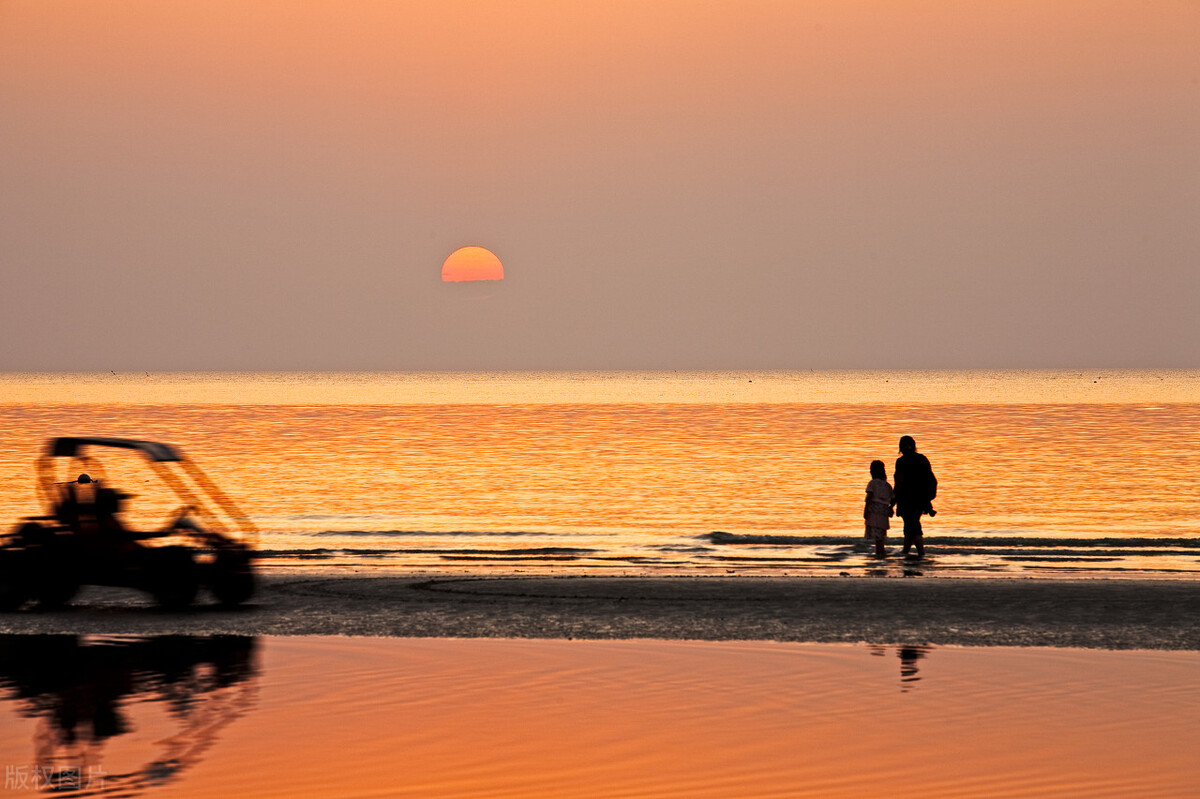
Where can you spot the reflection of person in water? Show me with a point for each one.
(916, 488)
(81, 691)
(909, 655)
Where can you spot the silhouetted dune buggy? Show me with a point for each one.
(82, 539)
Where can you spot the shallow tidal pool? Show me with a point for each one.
(196, 716)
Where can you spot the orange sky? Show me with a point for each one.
(758, 163)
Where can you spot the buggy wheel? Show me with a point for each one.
(232, 577)
(14, 578)
(171, 576)
(53, 566)
(57, 583)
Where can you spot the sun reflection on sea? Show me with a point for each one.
(637, 471)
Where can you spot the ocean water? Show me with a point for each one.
(1040, 473)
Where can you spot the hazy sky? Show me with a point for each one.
(748, 184)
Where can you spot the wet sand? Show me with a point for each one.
(326, 716)
(1105, 614)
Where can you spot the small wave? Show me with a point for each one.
(297, 554)
(1055, 551)
(374, 551)
(427, 533)
(293, 553)
(1060, 558)
(747, 559)
(720, 537)
(1024, 541)
(499, 556)
(535, 551)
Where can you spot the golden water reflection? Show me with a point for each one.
(570, 471)
(1045, 386)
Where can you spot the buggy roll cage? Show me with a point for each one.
(200, 495)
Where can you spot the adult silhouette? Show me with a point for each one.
(915, 488)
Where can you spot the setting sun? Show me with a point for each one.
(472, 263)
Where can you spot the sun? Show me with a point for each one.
(472, 263)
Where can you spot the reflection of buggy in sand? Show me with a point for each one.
(82, 539)
(86, 692)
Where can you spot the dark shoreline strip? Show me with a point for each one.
(1099, 614)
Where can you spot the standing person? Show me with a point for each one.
(916, 488)
(878, 508)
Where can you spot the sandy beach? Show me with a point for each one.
(470, 685)
(1103, 614)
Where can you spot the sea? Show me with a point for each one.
(1041, 473)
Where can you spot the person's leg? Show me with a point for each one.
(876, 536)
(918, 535)
(912, 534)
